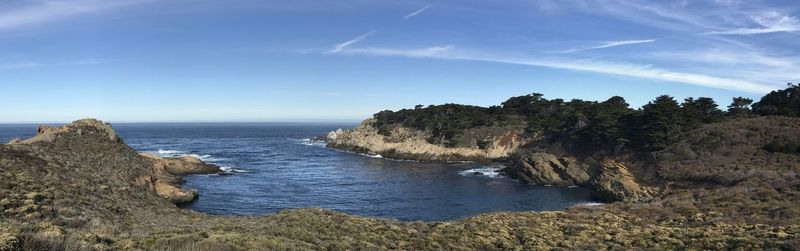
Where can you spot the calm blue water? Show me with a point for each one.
(275, 167)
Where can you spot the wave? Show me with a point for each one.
(488, 171)
(179, 153)
(169, 153)
(377, 156)
(589, 204)
(205, 157)
(311, 142)
(229, 169)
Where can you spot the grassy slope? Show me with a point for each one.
(77, 193)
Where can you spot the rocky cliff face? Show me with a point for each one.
(549, 169)
(610, 180)
(614, 182)
(406, 143)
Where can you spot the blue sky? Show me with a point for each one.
(249, 60)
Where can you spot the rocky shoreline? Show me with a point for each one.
(610, 179)
(409, 144)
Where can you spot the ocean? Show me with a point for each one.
(276, 166)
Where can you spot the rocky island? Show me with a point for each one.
(704, 179)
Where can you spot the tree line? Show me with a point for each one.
(611, 126)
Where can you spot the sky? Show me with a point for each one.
(344, 60)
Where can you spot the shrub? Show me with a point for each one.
(782, 147)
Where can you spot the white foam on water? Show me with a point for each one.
(179, 153)
(169, 153)
(590, 204)
(229, 169)
(310, 142)
(204, 157)
(488, 171)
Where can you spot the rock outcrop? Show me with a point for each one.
(548, 169)
(50, 134)
(610, 180)
(167, 183)
(615, 183)
(407, 143)
(181, 165)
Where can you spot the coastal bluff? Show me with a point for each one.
(163, 176)
(408, 143)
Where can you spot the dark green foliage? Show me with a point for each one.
(582, 126)
(782, 147)
(445, 122)
(784, 102)
(659, 124)
(740, 107)
(702, 110)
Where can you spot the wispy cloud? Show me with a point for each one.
(416, 12)
(429, 52)
(35, 64)
(22, 65)
(340, 47)
(595, 66)
(47, 11)
(769, 22)
(609, 44)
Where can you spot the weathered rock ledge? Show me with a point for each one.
(411, 144)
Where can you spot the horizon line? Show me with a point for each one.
(184, 121)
